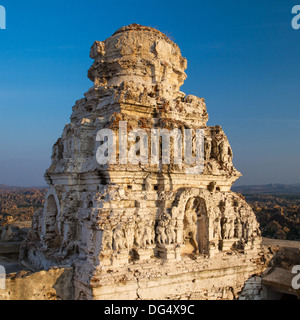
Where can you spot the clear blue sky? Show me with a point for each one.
(243, 57)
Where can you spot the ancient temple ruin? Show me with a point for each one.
(143, 229)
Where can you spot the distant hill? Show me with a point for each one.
(4, 186)
(273, 188)
(10, 188)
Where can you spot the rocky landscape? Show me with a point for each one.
(277, 208)
(17, 204)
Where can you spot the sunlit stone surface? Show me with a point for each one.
(143, 231)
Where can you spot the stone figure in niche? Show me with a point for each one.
(217, 228)
(153, 232)
(247, 230)
(148, 234)
(139, 233)
(222, 151)
(161, 237)
(107, 238)
(170, 232)
(215, 147)
(225, 154)
(118, 238)
(224, 228)
(195, 226)
(238, 228)
(207, 149)
(190, 225)
(230, 228)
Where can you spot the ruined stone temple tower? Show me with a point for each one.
(144, 230)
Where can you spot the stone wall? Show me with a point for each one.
(201, 278)
(54, 284)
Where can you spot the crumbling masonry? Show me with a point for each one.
(143, 231)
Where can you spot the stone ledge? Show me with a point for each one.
(9, 247)
(54, 284)
(281, 280)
